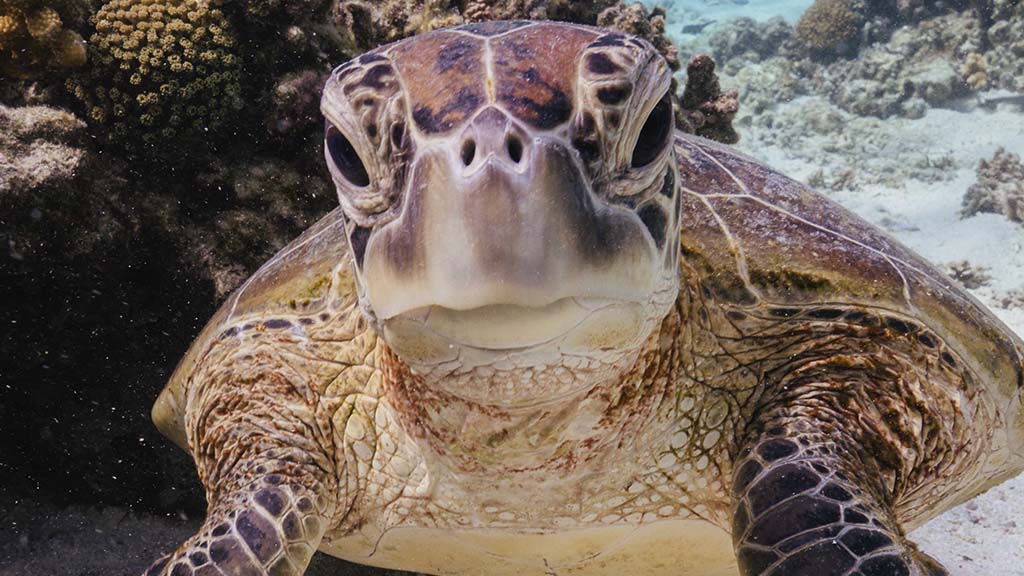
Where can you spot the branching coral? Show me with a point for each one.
(162, 70)
(828, 24)
(999, 189)
(34, 38)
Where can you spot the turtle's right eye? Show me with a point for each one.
(654, 133)
(345, 158)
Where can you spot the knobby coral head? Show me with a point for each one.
(164, 74)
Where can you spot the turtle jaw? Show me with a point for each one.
(522, 356)
(595, 324)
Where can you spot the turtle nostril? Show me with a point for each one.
(468, 152)
(515, 149)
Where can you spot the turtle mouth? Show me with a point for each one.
(575, 325)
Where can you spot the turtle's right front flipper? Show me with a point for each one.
(266, 466)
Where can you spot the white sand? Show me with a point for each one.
(984, 537)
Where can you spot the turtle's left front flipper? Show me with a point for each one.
(809, 499)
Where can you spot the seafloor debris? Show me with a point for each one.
(968, 275)
(999, 189)
(162, 70)
(35, 38)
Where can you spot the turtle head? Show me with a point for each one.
(512, 204)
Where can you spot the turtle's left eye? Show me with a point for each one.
(654, 133)
(345, 158)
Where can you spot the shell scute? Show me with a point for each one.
(789, 246)
(488, 29)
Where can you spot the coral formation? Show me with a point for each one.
(999, 189)
(163, 71)
(975, 71)
(295, 100)
(705, 110)
(829, 25)
(257, 10)
(34, 38)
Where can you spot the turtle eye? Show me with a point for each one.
(345, 158)
(654, 133)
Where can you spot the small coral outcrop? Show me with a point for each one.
(705, 109)
(999, 189)
(636, 20)
(829, 25)
(975, 71)
(163, 71)
(34, 38)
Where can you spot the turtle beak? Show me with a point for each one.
(500, 225)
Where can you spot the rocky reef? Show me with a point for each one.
(848, 86)
(863, 57)
(705, 109)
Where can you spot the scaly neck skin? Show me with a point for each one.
(571, 434)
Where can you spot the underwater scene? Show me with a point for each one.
(327, 287)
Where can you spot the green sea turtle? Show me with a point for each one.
(546, 334)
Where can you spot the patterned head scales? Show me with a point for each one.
(506, 166)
